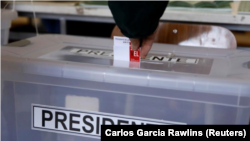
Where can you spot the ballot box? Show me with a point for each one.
(63, 88)
(7, 16)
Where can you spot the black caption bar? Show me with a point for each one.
(109, 132)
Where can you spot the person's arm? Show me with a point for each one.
(138, 20)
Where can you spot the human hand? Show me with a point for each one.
(145, 46)
(135, 43)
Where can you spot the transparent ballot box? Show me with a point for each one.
(63, 88)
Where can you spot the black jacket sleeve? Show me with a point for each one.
(137, 19)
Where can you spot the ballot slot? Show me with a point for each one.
(151, 58)
(89, 52)
(158, 61)
(173, 59)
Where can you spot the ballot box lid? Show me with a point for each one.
(203, 70)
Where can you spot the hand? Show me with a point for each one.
(146, 44)
(135, 43)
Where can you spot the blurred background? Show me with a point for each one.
(93, 18)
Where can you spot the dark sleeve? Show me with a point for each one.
(137, 19)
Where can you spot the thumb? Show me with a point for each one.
(135, 43)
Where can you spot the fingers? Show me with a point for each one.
(135, 43)
(147, 45)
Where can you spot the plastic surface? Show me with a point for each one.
(4, 36)
(46, 73)
(6, 17)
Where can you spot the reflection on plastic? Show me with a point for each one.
(126, 64)
(134, 64)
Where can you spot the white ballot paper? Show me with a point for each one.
(121, 48)
(124, 56)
